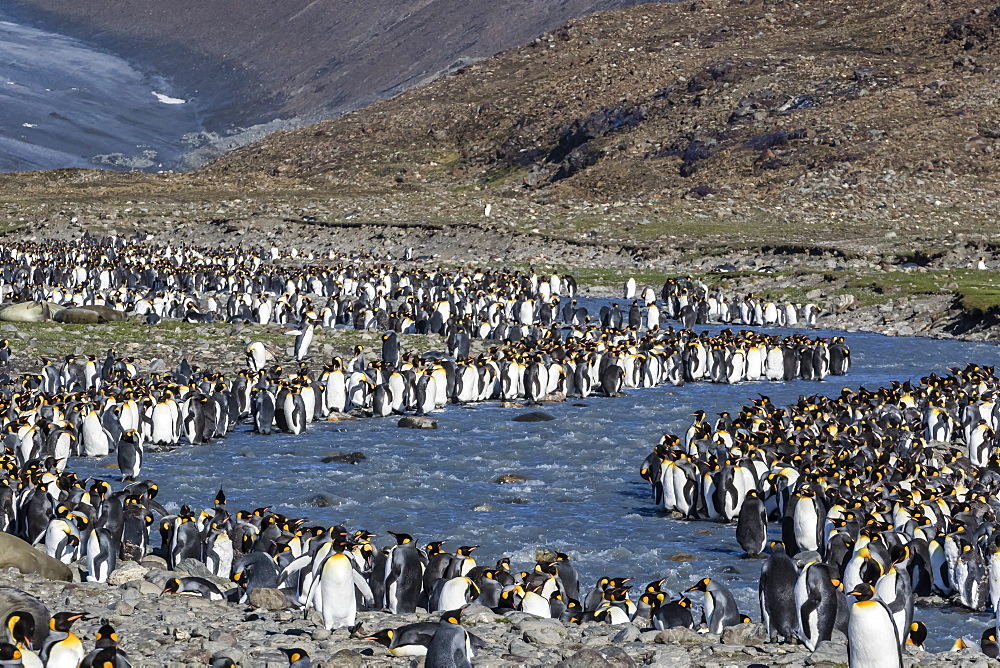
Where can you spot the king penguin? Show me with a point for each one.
(872, 641)
(720, 606)
(62, 648)
(404, 575)
(751, 525)
(451, 646)
(777, 594)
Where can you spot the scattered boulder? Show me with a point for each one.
(417, 422)
(336, 457)
(16, 553)
(509, 478)
(534, 416)
(745, 634)
(268, 599)
(127, 571)
(828, 652)
(585, 658)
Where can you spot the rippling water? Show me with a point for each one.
(584, 496)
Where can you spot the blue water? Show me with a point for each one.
(584, 496)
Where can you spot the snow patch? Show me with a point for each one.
(166, 99)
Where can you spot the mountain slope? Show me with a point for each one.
(873, 105)
(249, 61)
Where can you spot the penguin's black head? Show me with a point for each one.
(63, 621)
(21, 626)
(864, 592)
(701, 586)
(452, 616)
(8, 652)
(106, 637)
(294, 654)
(401, 538)
(655, 585)
(383, 637)
(172, 586)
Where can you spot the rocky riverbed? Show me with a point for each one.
(179, 631)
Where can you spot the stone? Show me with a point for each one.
(828, 652)
(585, 658)
(628, 634)
(345, 658)
(677, 636)
(744, 634)
(195, 567)
(617, 656)
(267, 598)
(417, 422)
(509, 478)
(534, 416)
(542, 635)
(478, 614)
(670, 656)
(344, 458)
(520, 648)
(16, 553)
(127, 571)
(535, 623)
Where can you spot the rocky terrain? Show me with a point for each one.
(172, 631)
(848, 146)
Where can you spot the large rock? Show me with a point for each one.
(15, 553)
(510, 479)
(417, 422)
(670, 656)
(267, 598)
(677, 636)
(744, 634)
(585, 658)
(534, 416)
(127, 571)
(828, 652)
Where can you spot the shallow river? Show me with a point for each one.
(585, 496)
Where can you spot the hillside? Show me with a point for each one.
(871, 112)
(249, 62)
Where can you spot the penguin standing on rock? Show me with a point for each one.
(872, 641)
(451, 646)
(720, 606)
(404, 575)
(816, 603)
(777, 594)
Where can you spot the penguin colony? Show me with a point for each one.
(333, 570)
(884, 496)
(90, 405)
(691, 302)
